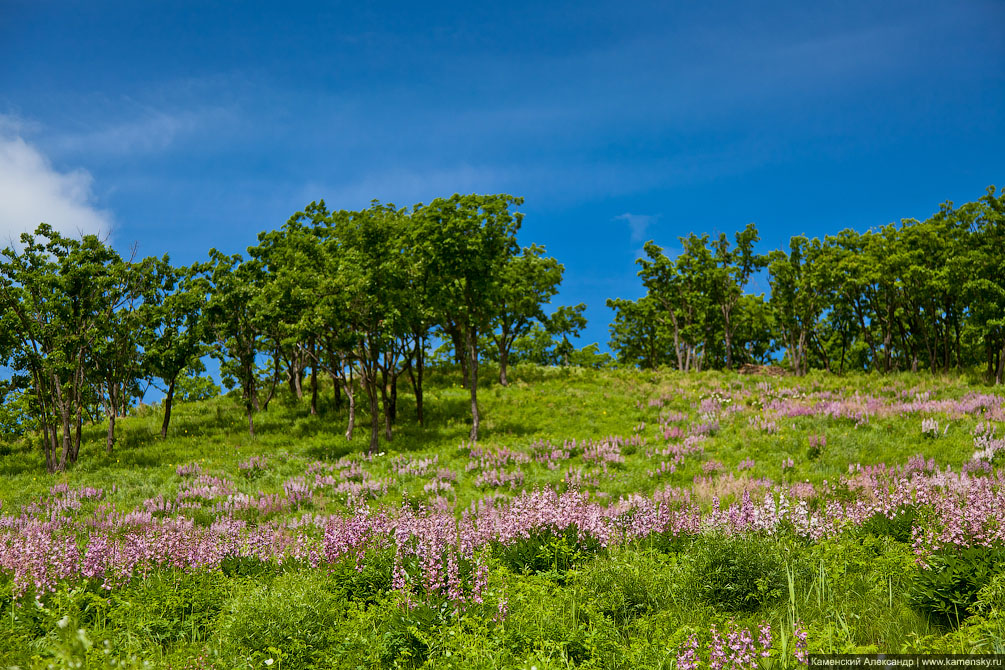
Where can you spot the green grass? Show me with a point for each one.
(627, 607)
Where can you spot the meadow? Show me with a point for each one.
(604, 519)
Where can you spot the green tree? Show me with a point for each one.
(465, 241)
(985, 291)
(796, 298)
(173, 332)
(753, 330)
(115, 358)
(373, 273)
(639, 333)
(563, 323)
(529, 281)
(729, 276)
(683, 288)
(53, 295)
(232, 326)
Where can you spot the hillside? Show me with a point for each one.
(604, 519)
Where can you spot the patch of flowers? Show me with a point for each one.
(953, 510)
(498, 478)
(415, 467)
(253, 467)
(549, 455)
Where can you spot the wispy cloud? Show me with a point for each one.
(638, 224)
(148, 131)
(32, 191)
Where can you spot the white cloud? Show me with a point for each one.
(637, 224)
(32, 191)
(149, 131)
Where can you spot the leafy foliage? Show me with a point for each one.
(949, 587)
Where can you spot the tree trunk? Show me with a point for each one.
(314, 389)
(78, 403)
(956, 332)
(112, 411)
(78, 430)
(253, 389)
(110, 439)
(123, 400)
(677, 345)
(296, 386)
(251, 418)
(459, 353)
(1001, 366)
(416, 378)
(351, 394)
(887, 342)
(503, 361)
(394, 396)
(728, 332)
(948, 353)
(49, 446)
(370, 382)
(385, 399)
(168, 399)
(472, 347)
(48, 433)
(65, 452)
(275, 382)
(866, 333)
(844, 348)
(386, 403)
(824, 356)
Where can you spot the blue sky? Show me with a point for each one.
(186, 126)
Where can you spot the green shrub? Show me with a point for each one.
(547, 621)
(295, 619)
(547, 554)
(736, 573)
(631, 584)
(899, 527)
(168, 606)
(408, 635)
(947, 590)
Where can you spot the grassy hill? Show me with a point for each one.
(605, 519)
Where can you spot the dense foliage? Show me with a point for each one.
(918, 295)
(355, 296)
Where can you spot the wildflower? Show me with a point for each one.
(687, 656)
(800, 651)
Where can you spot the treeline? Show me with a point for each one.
(918, 295)
(353, 296)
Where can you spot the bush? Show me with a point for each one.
(736, 573)
(948, 589)
(168, 606)
(549, 622)
(295, 620)
(899, 527)
(630, 585)
(407, 636)
(548, 554)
